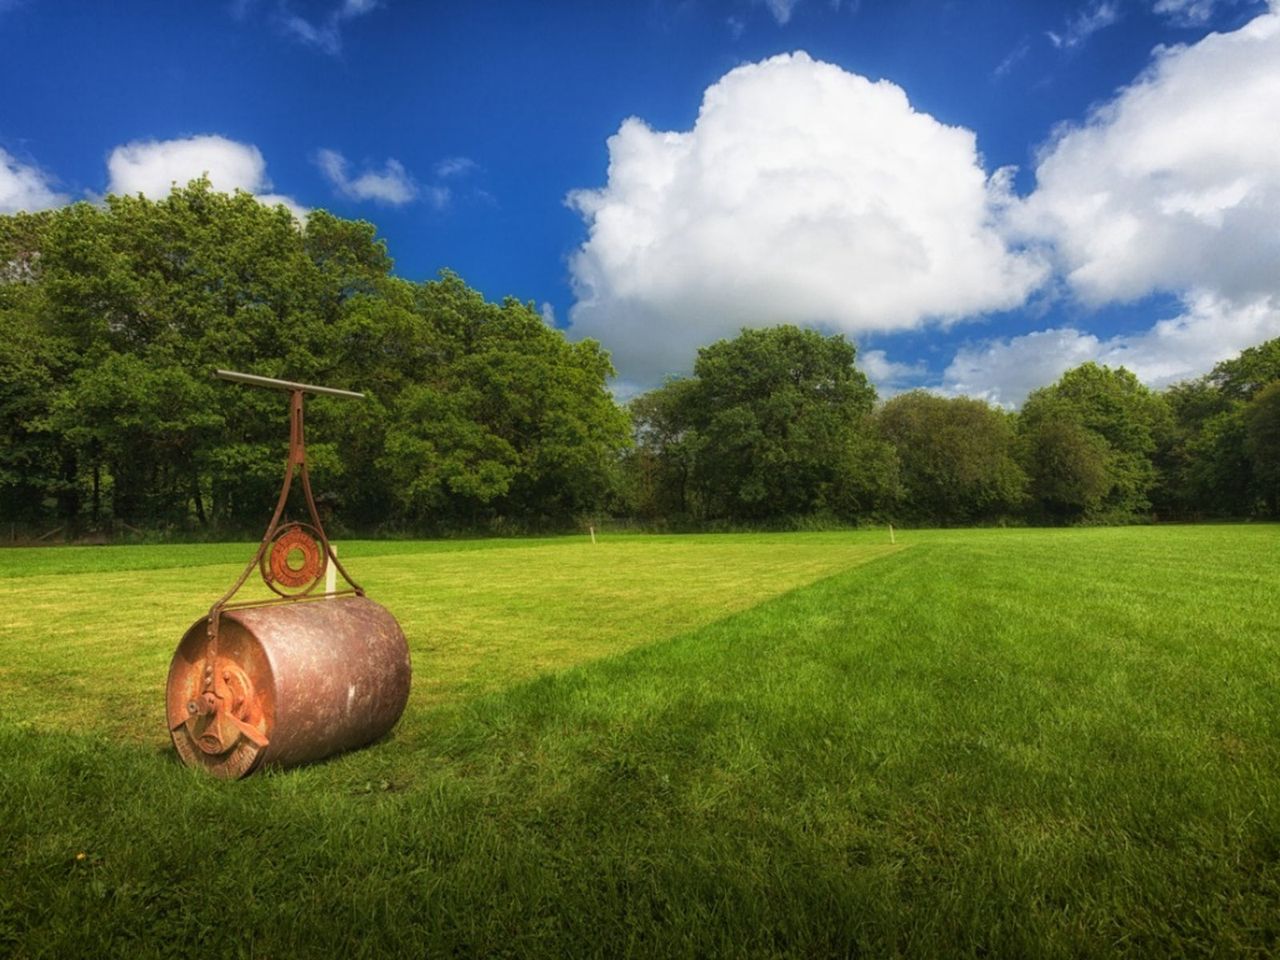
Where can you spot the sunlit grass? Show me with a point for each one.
(478, 617)
(1010, 743)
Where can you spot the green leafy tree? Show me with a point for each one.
(957, 456)
(1241, 377)
(659, 470)
(149, 297)
(1262, 443)
(516, 422)
(777, 424)
(1209, 466)
(37, 467)
(1215, 476)
(1113, 422)
(1070, 474)
(142, 424)
(478, 413)
(115, 316)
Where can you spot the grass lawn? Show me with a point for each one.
(1019, 743)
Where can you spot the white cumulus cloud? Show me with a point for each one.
(1175, 183)
(1208, 330)
(1171, 187)
(25, 187)
(153, 167)
(803, 194)
(392, 185)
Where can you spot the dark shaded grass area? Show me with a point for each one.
(1012, 744)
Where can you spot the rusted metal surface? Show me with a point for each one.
(280, 571)
(297, 677)
(293, 683)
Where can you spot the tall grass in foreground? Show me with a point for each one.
(1020, 743)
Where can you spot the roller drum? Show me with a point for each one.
(290, 684)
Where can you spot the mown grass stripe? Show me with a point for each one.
(996, 743)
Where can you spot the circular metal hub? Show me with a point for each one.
(218, 717)
(295, 561)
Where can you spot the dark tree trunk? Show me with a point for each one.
(69, 492)
(199, 500)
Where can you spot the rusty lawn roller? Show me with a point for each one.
(297, 677)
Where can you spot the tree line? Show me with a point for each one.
(779, 423)
(479, 416)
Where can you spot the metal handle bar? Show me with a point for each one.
(256, 381)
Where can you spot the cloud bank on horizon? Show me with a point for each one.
(808, 194)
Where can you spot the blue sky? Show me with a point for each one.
(979, 194)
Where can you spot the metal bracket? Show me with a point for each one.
(291, 583)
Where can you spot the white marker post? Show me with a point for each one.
(891, 540)
(331, 573)
(592, 528)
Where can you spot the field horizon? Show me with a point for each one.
(1055, 742)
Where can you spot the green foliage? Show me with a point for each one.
(1217, 464)
(1218, 476)
(957, 456)
(33, 463)
(1091, 438)
(769, 428)
(1262, 442)
(1069, 467)
(1240, 378)
(658, 472)
(518, 424)
(774, 422)
(115, 316)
